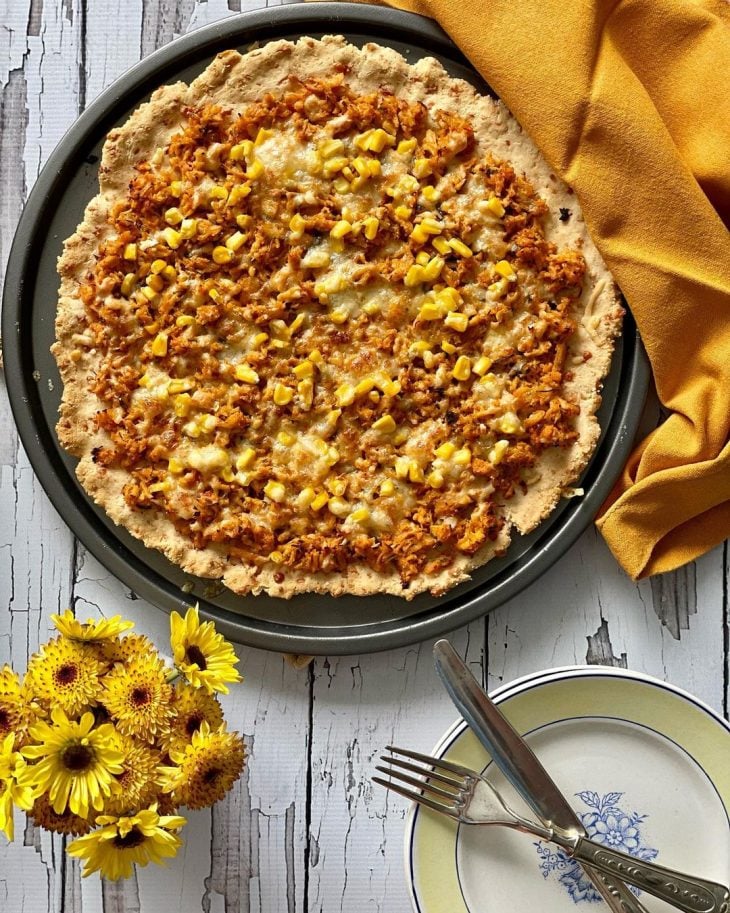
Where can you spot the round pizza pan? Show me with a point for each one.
(305, 624)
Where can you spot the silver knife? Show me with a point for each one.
(517, 761)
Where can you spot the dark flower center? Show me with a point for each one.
(67, 674)
(194, 654)
(211, 775)
(193, 723)
(132, 839)
(77, 757)
(4, 720)
(140, 697)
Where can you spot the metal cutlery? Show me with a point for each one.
(520, 765)
(469, 798)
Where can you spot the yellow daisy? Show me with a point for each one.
(76, 762)
(206, 769)
(122, 842)
(137, 695)
(124, 649)
(203, 656)
(192, 707)
(90, 631)
(13, 788)
(137, 780)
(64, 674)
(12, 714)
(65, 822)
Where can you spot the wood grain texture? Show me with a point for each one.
(304, 831)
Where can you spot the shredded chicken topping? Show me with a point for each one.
(331, 333)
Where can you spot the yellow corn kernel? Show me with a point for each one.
(415, 473)
(332, 456)
(360, 515)
(341, 185)
(401, 436)
(457, 321)
(445, 451)
(130, 251)
(414, 276)
(334, 165)
(159, 345)
(255, 170)
(191, 429)
(286, 438)
(305, 388)
(175, 466)
(441, 245)
(340, 229)
(262, 136)
(496, 454)
(188, 228)
(403, 212)
(504, 269)
(145, 381)
(338, 315)
(462, 368)
(421, 167)
(276, 557)
(374, 396)
(336, 486)
(435, 479)
(235, 241)
(391, 387)
(319, 502)
(432, 270)
(156, 283)
(246, 374)
(339, 507)
(172, 238)
(181, 404)
(328, 286)
(241, 151)
(406, 146)
(370, 226)
(283, 394)
(430, 311)
(462, 457)
(385, 424)
(360, 164)
(246, 458)
(128, 284)
(422, 258)
(447, 346)
(494, 205)
(419, 235)
(315, 356)
(402, 465)
(297, 323)
(215, 295)
(331, 147)
(374, 140)
(305, 497)
(482, 365)
(149, 293)
(430, 194)
(243, 220)
(296, 226)
(275, 491)
(303, 369)
(429, 359)
(387, 488)
(238, 192)
(227, 474)
(157, 266)
(419, 347)
(374, 168)
(364, 386)
(159, 486)
(176, 188)
(180, 386)
(222, 255)
(431, 226)
(259, 339)
(509, 423)
(218, 193)
(345, 395)
(169, 273)
(208, 422)
(498, 288)
(458, 247)
(173, 216)
(448, 298)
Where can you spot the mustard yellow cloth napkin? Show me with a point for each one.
(630, 103)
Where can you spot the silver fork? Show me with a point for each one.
(469, 798)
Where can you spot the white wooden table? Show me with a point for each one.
(304, 830)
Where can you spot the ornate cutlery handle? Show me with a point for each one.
(693, 895)
(618, 897)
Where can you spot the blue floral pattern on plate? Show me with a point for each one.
(606, 823)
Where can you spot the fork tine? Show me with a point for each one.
(417, 797)
(420, 784)
(436, 762)
(431, 774)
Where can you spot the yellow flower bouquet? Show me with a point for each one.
(103, 741)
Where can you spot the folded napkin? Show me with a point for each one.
(630, 103)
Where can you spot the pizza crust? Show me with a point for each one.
(235, 81)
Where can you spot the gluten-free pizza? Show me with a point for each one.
(331, 325)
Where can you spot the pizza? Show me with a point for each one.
(331, 325)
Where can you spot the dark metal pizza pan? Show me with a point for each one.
(306, 624)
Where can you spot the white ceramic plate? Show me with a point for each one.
(645, 765)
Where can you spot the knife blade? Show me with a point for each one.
(517, 761)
